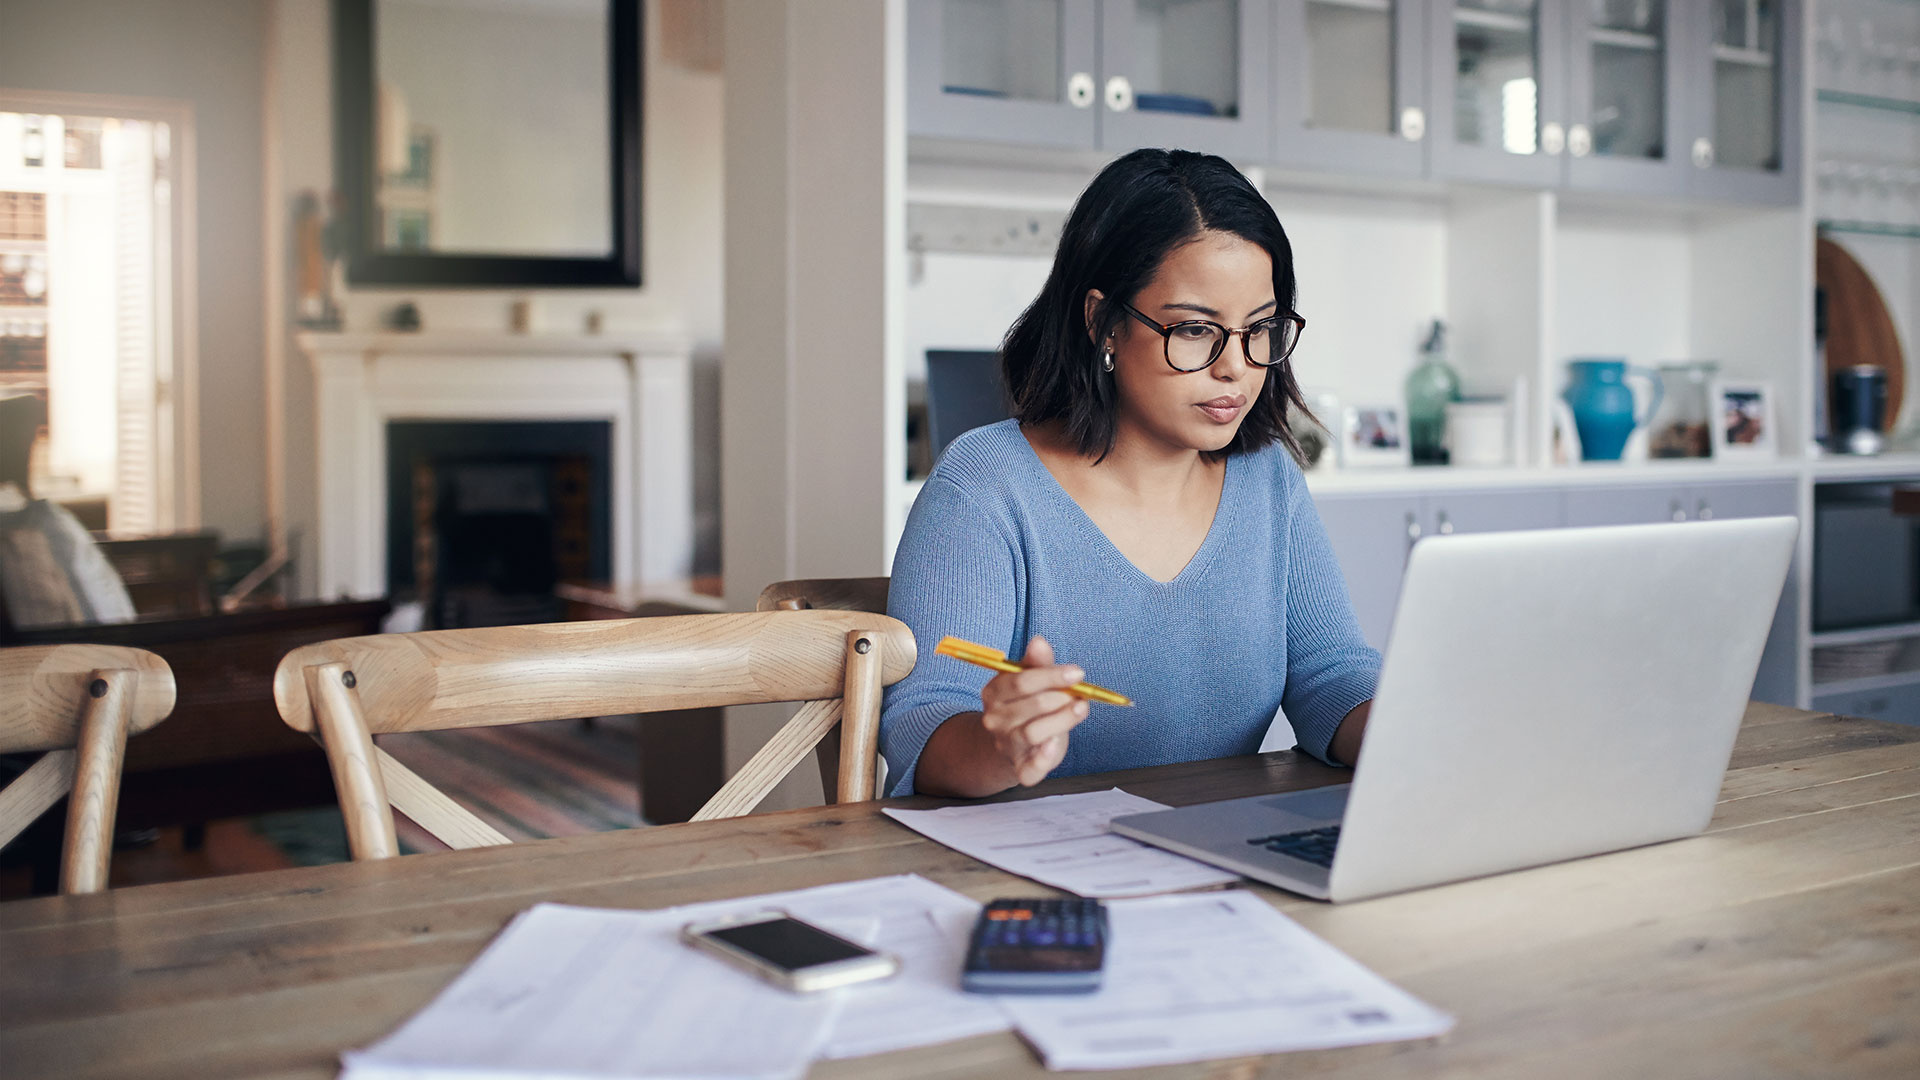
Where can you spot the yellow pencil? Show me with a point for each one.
(997, 661)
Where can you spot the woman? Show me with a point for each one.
(1140, 516)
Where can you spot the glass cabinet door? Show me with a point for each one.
(1347, 88)
(1499, 111)
(1745, 142)
(1186, 73)
(1626, 82)
(1009, 71)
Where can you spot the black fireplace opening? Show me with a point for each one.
(484, 518)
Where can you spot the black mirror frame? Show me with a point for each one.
(369, 264)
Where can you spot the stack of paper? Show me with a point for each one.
(1216, 975)
(1062, 841)
(568, 991)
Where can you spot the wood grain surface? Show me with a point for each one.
(1859, 328)
(1783, 942)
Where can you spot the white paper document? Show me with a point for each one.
(1214, 975)
(586, 992)
(1062, 840)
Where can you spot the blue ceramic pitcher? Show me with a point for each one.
(1602, 405)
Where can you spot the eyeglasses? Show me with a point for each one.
(1193, 345)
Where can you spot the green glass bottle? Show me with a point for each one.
(1430, 385)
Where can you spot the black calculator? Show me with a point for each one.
(1037, 947)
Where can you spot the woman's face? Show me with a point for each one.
(1216, 276)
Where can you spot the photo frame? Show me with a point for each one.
(1374, 434)
(1744, 420)
(1319, 442)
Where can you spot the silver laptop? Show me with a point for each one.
(1546, 695)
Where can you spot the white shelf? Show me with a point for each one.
(1598, 474)
(1624, 39)
(1866, 636)
(1867, 684)
(1882, 467)
(1728, 54)
(1493, 20)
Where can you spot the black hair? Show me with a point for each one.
(1140, 208)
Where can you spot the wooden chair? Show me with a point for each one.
(345, 691)
(829, 594)
(78, 703)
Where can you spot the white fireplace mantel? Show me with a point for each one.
(639, 382)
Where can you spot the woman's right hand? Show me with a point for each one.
(1028, 713)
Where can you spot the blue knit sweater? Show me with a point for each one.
(996, 551)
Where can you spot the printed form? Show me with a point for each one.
(1062, 841)
(1214, 975)
(581, 992)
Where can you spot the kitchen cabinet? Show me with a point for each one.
(1778, 677)
(1086, 74)
(1004, 71)
(1187, 73)
(1497, 83)
(1348, 86)
(1629, 78)
(1744, 101)
(1372, 535)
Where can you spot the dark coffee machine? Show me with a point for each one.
(1859, 410)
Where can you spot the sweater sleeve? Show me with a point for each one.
(955, 573)
(1330, 666)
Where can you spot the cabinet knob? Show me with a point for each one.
(1703, 511)
(1119, 94)
(1413, 123)
(1080, 90)
(1446, 525)
(1553, 139)
(1579, 140)
(1703, 153)
(1413, 528)
(1679, 512)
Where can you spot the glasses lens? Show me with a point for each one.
(1271, 340)
(1192, 345)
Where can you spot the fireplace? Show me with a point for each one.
(485, 517)
(635, 388)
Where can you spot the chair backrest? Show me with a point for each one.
(347, 690)
(78, 703)
(830, 594)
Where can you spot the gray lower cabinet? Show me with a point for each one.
(1372, 534)
(1779, 677)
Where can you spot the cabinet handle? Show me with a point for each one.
(1119, 94)
(1413, 123)
(1080, 90)
(1703, 511)
(1446, 526)
(1553, 138)
(1413, 529)
(1579, 140)
(1703, 153)
(1679, 510)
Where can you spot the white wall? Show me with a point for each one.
(209, 54)
(681, 241)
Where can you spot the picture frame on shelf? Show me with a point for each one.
(1744, 420)
(1374, 434)
(1318, 435)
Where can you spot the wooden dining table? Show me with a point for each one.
(1785, 941)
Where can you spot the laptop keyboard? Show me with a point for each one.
(1312, 845)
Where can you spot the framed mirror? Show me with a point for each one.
(489, 144)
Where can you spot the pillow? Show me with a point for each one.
(53, 574)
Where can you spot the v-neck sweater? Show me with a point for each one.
(1259, 621)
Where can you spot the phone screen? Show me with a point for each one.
(789, 943)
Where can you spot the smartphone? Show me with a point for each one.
(787, 952)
